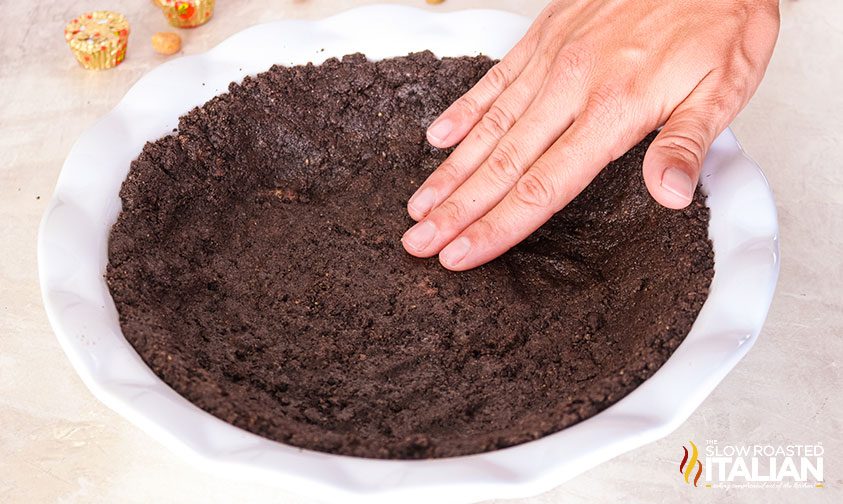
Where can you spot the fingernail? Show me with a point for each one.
(419, 236)
(678, 183)
(423, 200)
(455, 252)
(440, 129)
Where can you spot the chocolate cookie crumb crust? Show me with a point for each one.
(257, 269)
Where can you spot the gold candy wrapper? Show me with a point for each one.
(187, 13)
(98, 39)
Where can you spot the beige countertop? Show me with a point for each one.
(59, 444)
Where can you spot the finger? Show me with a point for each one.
(477, 146)
(490, 183)
(550, 184)
(549, 115)
(458, 119)
(674, 160)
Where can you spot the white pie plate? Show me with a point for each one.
(72, 255)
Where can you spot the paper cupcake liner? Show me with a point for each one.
(187, 13)
(98, 39)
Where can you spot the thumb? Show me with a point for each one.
(674, 159)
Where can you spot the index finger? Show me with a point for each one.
(457, 120)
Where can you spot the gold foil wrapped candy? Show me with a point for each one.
(98, 39)
(187, 13)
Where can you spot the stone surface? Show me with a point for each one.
(59, 444)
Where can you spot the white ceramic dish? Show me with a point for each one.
(72, 257)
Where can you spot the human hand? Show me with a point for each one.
(585, 84)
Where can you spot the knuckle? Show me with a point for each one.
(721, 104)
(607, 100)
(633, 56)
(485, 134)
(534, 190)
(484, 229)
(469, 105)
(573, 63)
(450, 211)
(448, 172)
(497, 77)
(689, 145)
(496, 122)
(503, 164)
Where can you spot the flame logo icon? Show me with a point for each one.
(686, 467)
